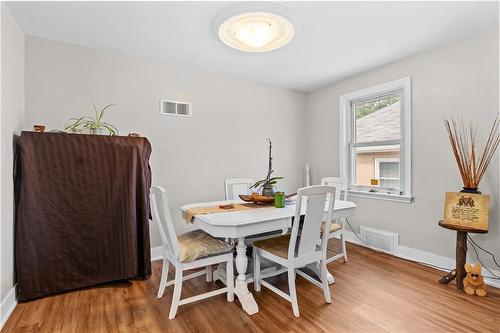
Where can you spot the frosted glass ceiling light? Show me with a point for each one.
(256, 31)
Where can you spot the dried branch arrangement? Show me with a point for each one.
(471, 163)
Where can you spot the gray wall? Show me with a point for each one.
(12, 114)
(225, 138)
(460, 80)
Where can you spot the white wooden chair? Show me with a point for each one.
(295, 251)
(337, 228)
(188, 251)
(234, 187)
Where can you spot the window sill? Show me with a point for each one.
(380, 196)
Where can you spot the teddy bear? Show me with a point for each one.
(473, 281)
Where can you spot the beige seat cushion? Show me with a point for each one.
(198, 244)
(277, 245)
(333, 227)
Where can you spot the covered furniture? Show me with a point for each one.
(82, 211)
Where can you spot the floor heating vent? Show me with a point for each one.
(379, 239)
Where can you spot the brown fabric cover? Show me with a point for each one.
(82, 204)
(198, 244)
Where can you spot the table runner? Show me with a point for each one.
(82, 211)
(191, 212)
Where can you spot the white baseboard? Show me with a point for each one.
(7, 306)
(156, 253)
(493, 282)
(426, 258)
(442, 263)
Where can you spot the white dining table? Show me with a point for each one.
(239, 225)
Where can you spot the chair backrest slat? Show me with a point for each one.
(234, 187)
(161, 215)
(314, 198)
(340, 185)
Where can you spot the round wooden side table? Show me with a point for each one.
(460, 254)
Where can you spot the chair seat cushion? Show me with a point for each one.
(198, 244)
(334, 227)
(277, 245)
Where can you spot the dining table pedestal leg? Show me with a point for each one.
(241, 288)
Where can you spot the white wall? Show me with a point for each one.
(12, 113)
(460, 79)
(225, 138)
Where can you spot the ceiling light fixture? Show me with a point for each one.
(254, 31)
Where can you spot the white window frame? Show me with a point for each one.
(346, 145)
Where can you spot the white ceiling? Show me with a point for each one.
(335, 39)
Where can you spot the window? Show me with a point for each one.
(387, 172)
(375, 141)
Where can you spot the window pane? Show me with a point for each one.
(377, 166)
(378, 120)
(392, 183)
(389, 169)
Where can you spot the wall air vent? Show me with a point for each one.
(174, 108)
(380, 240)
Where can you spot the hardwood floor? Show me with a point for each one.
(373, 293)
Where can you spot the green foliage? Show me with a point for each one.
(78, 125)
(266, 183)
(365, 109)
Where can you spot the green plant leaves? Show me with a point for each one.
(111, 129)
(258, 183)
(78, 125)
(265, 183)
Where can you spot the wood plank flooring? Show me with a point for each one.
(374, 292)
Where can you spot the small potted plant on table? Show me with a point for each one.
(267, 184)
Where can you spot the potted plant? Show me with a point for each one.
(267, 184)
(94, 125)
